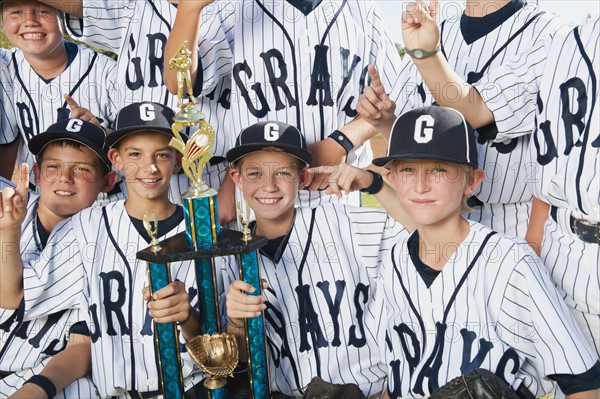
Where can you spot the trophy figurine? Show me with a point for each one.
(217, 356)
(181, 62)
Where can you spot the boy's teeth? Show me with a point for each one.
(33, 36)
(269, 200)
(65, 193)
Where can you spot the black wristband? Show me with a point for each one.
(342, 140)
(44, 383)
(375, 187)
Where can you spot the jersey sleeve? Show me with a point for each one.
(215, 56)
(55, 280)
(107, 73)
(510, 91)
(373, 233)
(384, 54)
(536, 322)
(8, 120)
(103, 24)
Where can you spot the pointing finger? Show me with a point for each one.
(70, 102)
(375, 78)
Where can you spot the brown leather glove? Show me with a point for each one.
(477, 384)
(319, 389)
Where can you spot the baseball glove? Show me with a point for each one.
(319, 389)
(477, 384)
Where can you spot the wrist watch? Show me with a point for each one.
(420, 54)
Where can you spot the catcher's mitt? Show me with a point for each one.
(477, 384)
(319, 389)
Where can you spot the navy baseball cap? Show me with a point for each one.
(144, 116)
(270, 134)
(76, 130)
(432, 132)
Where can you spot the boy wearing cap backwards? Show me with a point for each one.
(320, 265)
(36, 359)
(104, 278)
(459, 296)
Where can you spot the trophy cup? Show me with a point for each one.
(202, 241)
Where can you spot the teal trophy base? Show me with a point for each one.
(177, 249)
(258, 371)
(166, 339)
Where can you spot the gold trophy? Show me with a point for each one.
(244, 221)
(189, 113)
(217, 356)
(152, 231)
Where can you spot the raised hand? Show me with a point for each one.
(374, 105)
(79, 112)
(419, 26)
(13, 202)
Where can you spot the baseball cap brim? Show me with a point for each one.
(238, 152)
(38, 143)
(117, 135)
(383, 161)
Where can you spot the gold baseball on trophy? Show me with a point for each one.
(217, 356)
(195, 150)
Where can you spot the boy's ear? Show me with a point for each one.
(303, 178)
(178, 162)
(235, 176)
(109, 181)
(37, 174)
(474, 181)
(115, 158)
(389, 175)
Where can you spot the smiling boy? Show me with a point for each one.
(458, 296)
(320, 265)
(53, 350)
(51, 79)
(104, 279)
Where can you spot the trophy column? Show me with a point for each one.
(166, 335)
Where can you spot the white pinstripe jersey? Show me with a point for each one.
(137, 31)
(319, 317)
(506, 175)
(8, 127)
(38, 104)
(307, 71)
(492, 306)
(27, 346)
(90, 263)
(566, 141)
